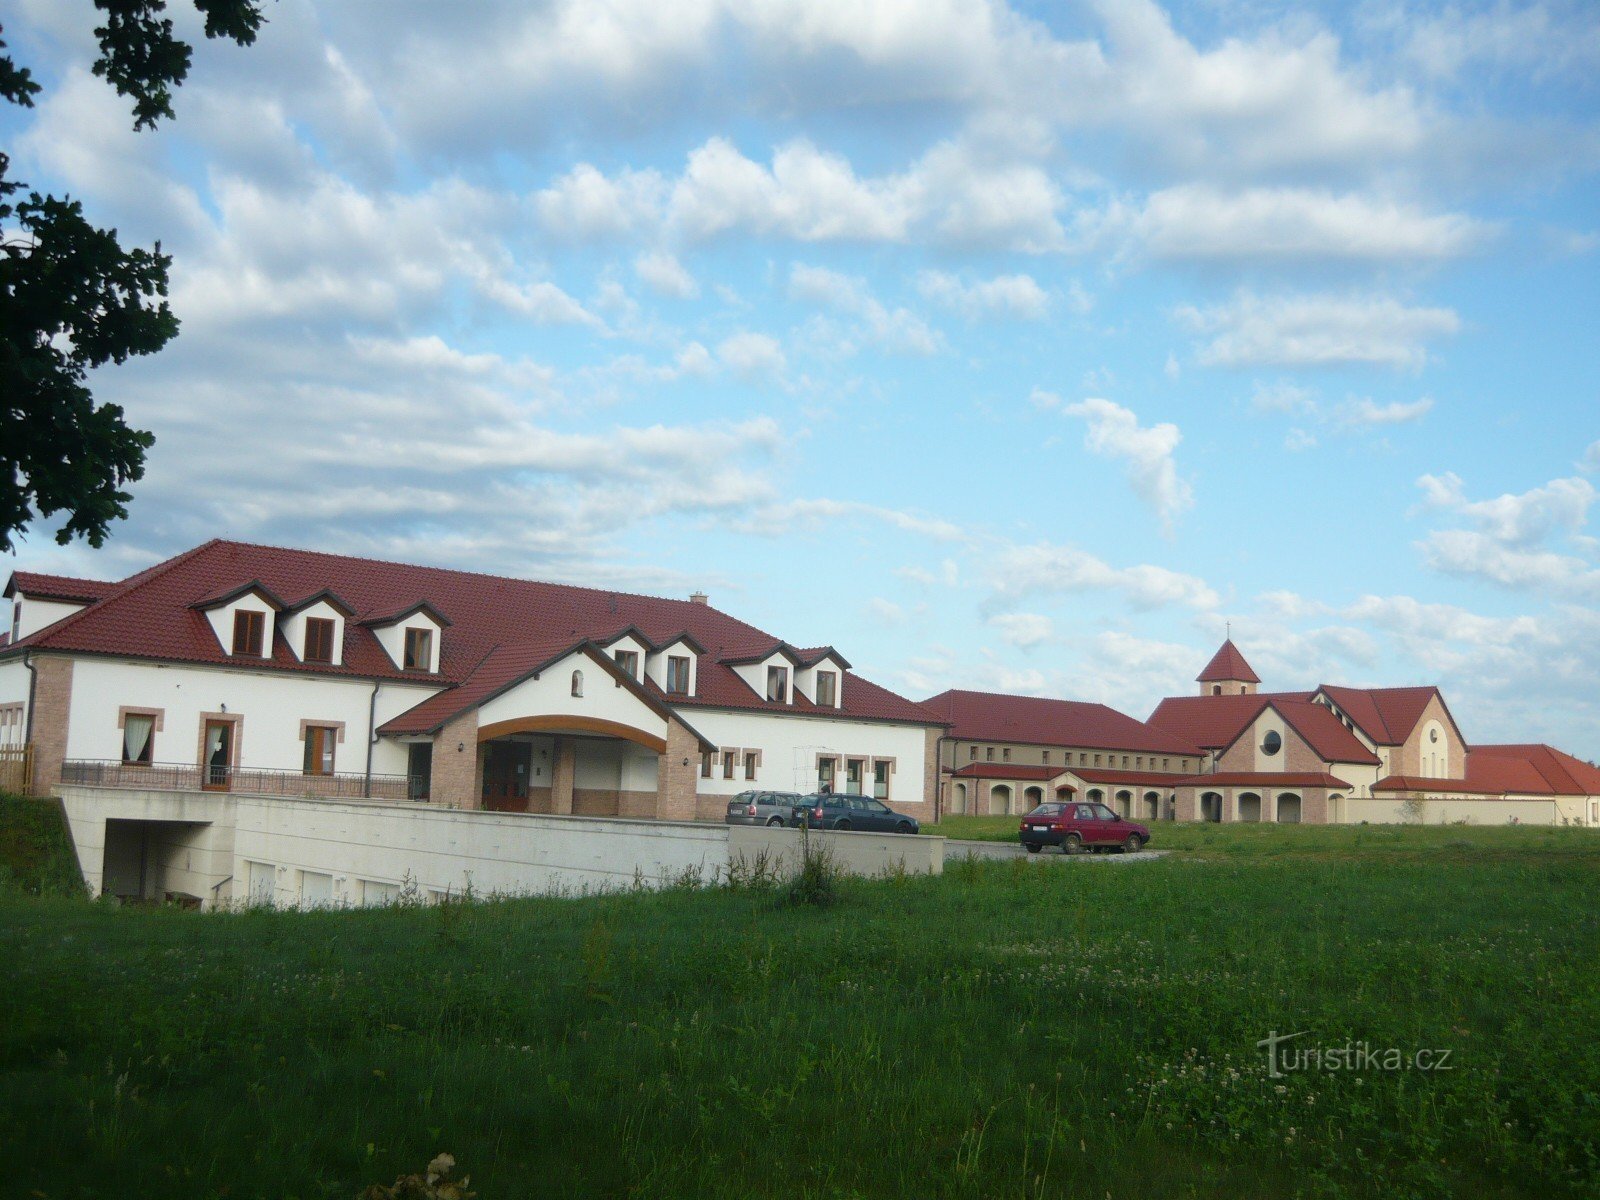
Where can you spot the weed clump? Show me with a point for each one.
(816, 883)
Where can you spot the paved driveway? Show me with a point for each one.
(954, 849)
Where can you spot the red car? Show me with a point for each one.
(1078, 825)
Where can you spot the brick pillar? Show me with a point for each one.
(677, 779)
(52, 703)
(458, 774)
(562, 770)
(1186, 804)
(930, 774)
(1314, 807)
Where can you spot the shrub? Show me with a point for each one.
(816, 884)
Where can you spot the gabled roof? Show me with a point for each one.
(1386, 715)
(1036, 720)
(228, 595)
(385, 619)
(1564, 774)
(1320, 729)
(1227, 664)
(741, 658)
(1213, 721)
(327, 596)
(57, 587)
(810, 656)
(149, 615)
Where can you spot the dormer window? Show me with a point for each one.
(249, 627)
(778, 684)
(678, 674)
(419, 650)
(319, 640)
(827, 689)
(628, 663)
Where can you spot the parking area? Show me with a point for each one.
(954, 849)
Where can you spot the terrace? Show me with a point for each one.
(254, 781)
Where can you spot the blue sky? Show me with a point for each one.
(1019, 348)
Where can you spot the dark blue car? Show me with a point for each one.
(836, 810)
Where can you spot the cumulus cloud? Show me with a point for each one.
(752, 355)
(1023, 630)
(664, 274)
(1317, 330)
(1366, 413)
(1591, 459)
(1202, 221)
(1003, 296)
(898, 329)
(1508, 538)
(1115, 432)
(1045, 569)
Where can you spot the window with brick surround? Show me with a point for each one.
(705, 765)
(751, 757)
(138, 739)
(249, 629)
(320, 741)
(319, 640)
(729, 758)
(880, 779)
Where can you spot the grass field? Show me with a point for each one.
(1009, 1029)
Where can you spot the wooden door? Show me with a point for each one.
(216, 766)
(505, 776)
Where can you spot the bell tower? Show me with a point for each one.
(1227, 674)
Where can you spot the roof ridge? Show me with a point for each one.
(132, 584)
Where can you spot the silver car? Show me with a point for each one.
(762, 808)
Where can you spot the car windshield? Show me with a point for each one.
(1048, 810)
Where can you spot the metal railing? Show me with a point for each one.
(258, 781)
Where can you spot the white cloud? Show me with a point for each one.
(780, 516)
(585, 203)
(899, 329)
(1538, 40)
(1507, 541)
(1366, 413)
(1201, 221)
(1521, 519)
(1052, 569)
(1004, 295)
(1283, 397)
(752, 354)
(1023, 630)
(1317, 330)
(664, 274)
(1297, 440)
(886, 611)
(1591, 459)
(1115, 432)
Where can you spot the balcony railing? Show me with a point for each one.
(256, 781)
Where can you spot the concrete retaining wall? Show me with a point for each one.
(224, 848)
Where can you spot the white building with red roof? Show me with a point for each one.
(238, 667)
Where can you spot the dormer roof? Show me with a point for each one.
(227, 596)
(1227, 665)
(394, 618)
(741, 658)
(327, 596)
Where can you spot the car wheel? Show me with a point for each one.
(1133, 845)
(1031, 847)
(843, 825)
(774, 821)
(904, 827)
(1072, 844)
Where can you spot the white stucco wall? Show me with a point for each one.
(1541, 810)
(271, 704)
(604, 698)
(221, 619)
(789, 745)
(13, 682)
(393, 639)
(294, 629)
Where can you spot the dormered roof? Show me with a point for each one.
(1227, 664)
(1036, 720)
(227, 595)
(741, 658)
(149, 615)
(57, 587)
(326, 596)
(1386, 715)
(425, 607)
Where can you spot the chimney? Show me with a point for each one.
(699, 598)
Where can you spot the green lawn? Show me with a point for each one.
(1005, 1030)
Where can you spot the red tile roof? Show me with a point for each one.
(1213, 721)
(1227, 664)
(1565, 775)
(1386, 715)
(1035, 720)
(989, 770)
(149, 615)
(1134, 778)
(1296, 779)
(57, 587)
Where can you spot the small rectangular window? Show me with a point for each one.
(705, 765)
(988, 754)
(419, 650)
(728, 759)
(319, 640)
(628, 663)
(749, 764)
(320, 741)
(249, 628)
(1005, 754)
(1047, 758)
(972, 754)
(880, 780)
(778, 684)
(678, 674)
(138, 739)
(825, 688)
(1124, 762)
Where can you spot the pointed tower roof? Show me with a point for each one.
(1227, 665)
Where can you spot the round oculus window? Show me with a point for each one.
(1272, 743)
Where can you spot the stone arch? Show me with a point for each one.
(1152, 806)
(1335, 804)
(1095, 796)
(1249, 807)
(1032, 798)
(1063, 793)
(555, 723)
(1125, 804)
(958, 801)
(1288, 808)
(1211, 806)
(1000, 800)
